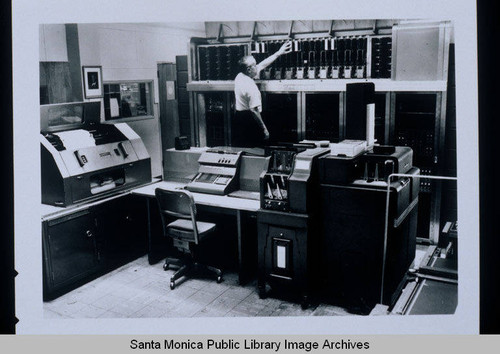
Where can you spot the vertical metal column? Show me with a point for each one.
(386, 224)
(301, 115)
(439, 136)
(392, 118)
(227, 118)
(193, 120)
(201, 116)
(342, 117)
(387, 118)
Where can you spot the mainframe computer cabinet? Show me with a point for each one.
(407, 61)
(416, 121)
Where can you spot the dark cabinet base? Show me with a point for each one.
(285, 255)
(81, 246)
(70, 251)
(359, 271)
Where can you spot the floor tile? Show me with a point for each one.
(139, 289)
(127, 291)
(167, 307)
(202, 297)
(234, 313)
(127, 307)
(238, 292)
(108, 301)
(65, 308)
(89, 295)
(89, 311)
(267, 311)
(187, 309)
(246, 308)
(51, 314)
(177, 295)
(111, 314)
(224, 303)
(145, 296)
(193, 282)
(215, 288)
(210, 312)
(328, 310)
(150, 311)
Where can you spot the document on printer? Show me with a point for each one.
(76, 139)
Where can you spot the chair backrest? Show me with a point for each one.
(179, 204)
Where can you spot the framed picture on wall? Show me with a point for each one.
(92, 81)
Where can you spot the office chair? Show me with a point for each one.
(185, 231)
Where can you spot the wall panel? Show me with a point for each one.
(131, 52)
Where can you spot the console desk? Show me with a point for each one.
(238, 206)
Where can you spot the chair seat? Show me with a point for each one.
(187, 225)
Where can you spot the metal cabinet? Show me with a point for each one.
(360, 267)
(410, 107)
(84, 244)
(280, 114)
(418, 121)
(122, 226)
(70, 250)
(323, 112)
(289, 116)
(286, 253)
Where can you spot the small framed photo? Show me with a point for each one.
(92, 81)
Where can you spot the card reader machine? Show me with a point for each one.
(218, 172)
(287, 221)
(289, 183)
(83, 159)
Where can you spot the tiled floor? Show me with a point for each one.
(139, 289)
(142, 290)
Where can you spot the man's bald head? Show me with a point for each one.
(248, 65)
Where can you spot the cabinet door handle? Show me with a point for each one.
(89, 233)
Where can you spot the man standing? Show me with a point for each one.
(248, 128)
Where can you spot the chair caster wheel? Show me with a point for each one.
(166, 266)
(219, 279)
(172, 285)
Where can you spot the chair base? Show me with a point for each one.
(187, 268)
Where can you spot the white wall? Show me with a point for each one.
(53, 45)
(131, 52)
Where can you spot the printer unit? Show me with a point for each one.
(82, 159)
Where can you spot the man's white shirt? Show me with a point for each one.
(247, 93)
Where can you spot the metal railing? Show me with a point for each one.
(386, 226)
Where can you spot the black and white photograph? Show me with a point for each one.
(92, 81)
(309, 172)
